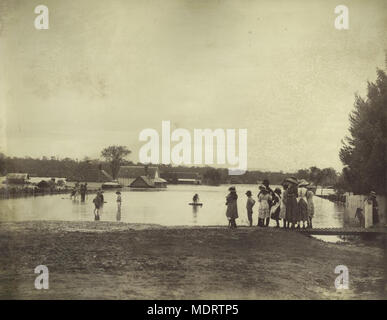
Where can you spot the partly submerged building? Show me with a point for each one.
(140, 177)
(17, 178)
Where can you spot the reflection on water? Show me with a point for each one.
(166, 207)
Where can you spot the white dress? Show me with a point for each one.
(263, 211)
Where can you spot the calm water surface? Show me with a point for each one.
(166, 207)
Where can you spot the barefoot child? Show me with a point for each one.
(97, 206)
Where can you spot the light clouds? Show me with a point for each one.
(105, 71)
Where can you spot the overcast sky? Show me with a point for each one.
(105, 70)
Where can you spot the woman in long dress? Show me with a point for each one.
(232, 208)
(309, 201)
(264, 210)
(302, 208)
(291, 205)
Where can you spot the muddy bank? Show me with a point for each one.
(108, 260)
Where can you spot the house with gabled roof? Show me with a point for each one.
(140, 177)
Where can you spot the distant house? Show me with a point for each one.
(17, 178)
(47, 182)
(140, 177)
(188, 178)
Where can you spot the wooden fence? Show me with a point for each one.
(355, 202)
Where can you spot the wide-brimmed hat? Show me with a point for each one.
(265, 181)
(303, 183)
(373, 193)
(232, 188)
(248, 193)
(291, 180)
(118, 192)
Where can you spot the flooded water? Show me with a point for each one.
(168, 207)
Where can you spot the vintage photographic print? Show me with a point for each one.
(193, 150)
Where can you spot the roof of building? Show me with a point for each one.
(159, 180)
(136, 171)
(148, 181)
(18, 176)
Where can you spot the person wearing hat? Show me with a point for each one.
(232, 208)
(249, 206)
(291, 203)
(264, 210)
(375, 214)
(118, 193)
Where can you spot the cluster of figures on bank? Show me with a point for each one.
(294, 206)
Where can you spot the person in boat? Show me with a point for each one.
(276, 206)
(195, 198)
(249, 206)
(232, 208)
(309, 201)
(264, 198)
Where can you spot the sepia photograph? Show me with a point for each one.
(193, 150)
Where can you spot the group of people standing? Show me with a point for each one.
(99, 202)
(79, 189)
(294, 206)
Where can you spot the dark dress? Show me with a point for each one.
(291, 204)
(302, 210)
(275, 200)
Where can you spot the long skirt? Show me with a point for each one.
(264, 210)
(292, 210)
(275, 212)
(303, 210)
(282, 214)
(310, 209)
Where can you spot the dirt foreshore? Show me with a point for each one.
(107, 260)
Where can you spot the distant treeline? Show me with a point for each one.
(90, 170)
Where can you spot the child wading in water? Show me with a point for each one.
(118, 193)
(232, 208)
(249, 206)
(97, 206)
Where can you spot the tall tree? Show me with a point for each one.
(115, 156)
(364, 151)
